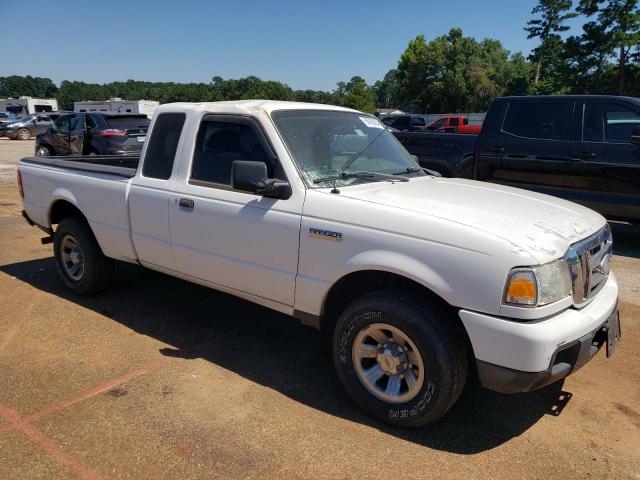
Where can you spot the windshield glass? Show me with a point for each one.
(323, 142)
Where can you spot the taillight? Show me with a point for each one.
(113, 132)
(20, 189)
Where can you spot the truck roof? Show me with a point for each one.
(535, 98)
(248, 106)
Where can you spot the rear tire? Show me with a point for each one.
(427, 371)
(83, 267)
(24, 134)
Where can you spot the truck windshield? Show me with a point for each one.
(324, 142)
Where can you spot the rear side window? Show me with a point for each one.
(417, 121)
(219, 144)
(609, 123)
(545, 121)
(161, 150)
(128, 122)
(454, 122)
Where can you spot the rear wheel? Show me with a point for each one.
(400, 357)
(83, 267)
(24, 134)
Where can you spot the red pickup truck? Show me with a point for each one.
(453, 124)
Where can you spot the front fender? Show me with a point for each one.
(402, 265)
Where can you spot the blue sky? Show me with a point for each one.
(303, 44)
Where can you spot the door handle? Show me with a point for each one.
(583, 155)
(186, 203)
(497, 149)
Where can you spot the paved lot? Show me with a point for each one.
(157, 378)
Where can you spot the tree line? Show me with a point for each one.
(451, 73)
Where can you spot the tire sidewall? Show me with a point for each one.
(75, 229)
(45, 148)
(431, 402)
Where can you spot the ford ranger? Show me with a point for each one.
(320, 213)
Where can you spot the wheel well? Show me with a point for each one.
(62, 209)
(356, 284)
(45, 144)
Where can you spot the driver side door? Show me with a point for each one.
(231, 238)
(60, 135)
(77, 134)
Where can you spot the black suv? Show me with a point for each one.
(405, 123)
(99, 133)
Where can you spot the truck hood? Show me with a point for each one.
(531, 223)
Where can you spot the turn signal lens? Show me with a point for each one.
(522, 289)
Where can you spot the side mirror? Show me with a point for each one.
(252, 177)
(635, 136)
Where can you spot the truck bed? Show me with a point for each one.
(450, 154)
(123, 166)
(97, 184)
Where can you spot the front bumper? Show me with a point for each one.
(514, 356)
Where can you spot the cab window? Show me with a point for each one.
(609, 123)
(219, 144)
(544, 121)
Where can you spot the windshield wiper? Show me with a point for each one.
(344, 175)
(357, 155)
(408, 170)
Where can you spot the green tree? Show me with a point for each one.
(552, 16)
(386, 90)
(357, 94)
(616, 27)
(15, 86)
(454, 73)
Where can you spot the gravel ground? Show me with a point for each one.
(157, 378)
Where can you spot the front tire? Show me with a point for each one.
(400, 357)
(43, 151)
(24, 134)
(83, 267)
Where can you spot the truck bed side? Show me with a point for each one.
(449, 154)
(98, 190)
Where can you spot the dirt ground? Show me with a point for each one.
(157, 378)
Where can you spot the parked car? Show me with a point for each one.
(453, 124)
(22, 128)
(7, 117)
(405, 123)
(95, 133)
(584, 148)
(318, 212)
(28, 126)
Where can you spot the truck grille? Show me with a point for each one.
(589, 263)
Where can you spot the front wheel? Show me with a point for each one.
(24, 134)
(83, 267)
(43, 151)
(400, 357)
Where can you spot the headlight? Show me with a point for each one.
(536, 286)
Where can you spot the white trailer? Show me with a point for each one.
(146, 107)
(27, 105)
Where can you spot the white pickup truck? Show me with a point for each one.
(318, 212)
